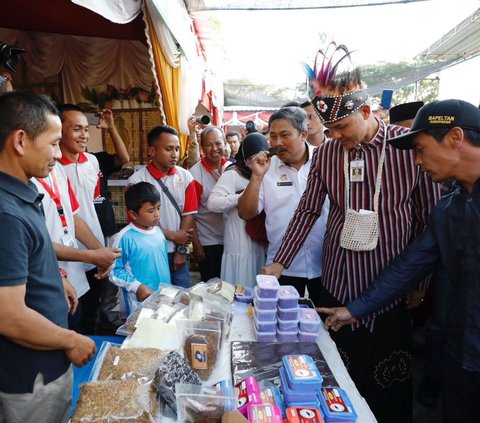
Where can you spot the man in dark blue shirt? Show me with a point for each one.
(35, 347)
(446, 138)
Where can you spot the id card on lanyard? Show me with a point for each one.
(54, 194)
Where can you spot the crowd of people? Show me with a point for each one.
(340, 204)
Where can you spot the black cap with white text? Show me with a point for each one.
(440, 114)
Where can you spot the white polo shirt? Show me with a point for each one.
(210, 225)
(280, 193)
(84, 176)
(181, 185)
(55, 226)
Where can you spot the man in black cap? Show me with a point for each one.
(403, 114)
(446, 138)
(8, 62)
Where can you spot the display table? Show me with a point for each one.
(242, 330)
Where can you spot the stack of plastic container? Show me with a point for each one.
(265, 302)
(247, 393)
(309, 325)
(336, 405)
(301, 381)
(287, 314)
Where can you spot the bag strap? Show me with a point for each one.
(378, 182)
(170, 196)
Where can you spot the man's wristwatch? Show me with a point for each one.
(181, 249)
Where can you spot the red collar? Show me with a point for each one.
(156, 173)
(210, 169)
(82, 158)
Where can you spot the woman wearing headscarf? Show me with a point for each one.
(242, 256)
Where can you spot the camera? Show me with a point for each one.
(251, 128)
(203, 119)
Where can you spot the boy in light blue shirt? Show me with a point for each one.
(144, 261)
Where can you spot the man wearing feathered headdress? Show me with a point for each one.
(379, 201)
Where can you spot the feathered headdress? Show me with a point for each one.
(336, 88)
(9, 56)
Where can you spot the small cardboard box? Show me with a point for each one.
(233, 417)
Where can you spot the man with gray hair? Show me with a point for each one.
(276, 186)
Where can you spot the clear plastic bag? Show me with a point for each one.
(203, 404)
(200, 343)
(116, 401)
(174, 369)
(115, 363)
(159, 306)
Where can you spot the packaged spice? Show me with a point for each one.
(116, 401)
(157, 306)
(200, 342)
(174, 369)
(130, 363)
(203, 404)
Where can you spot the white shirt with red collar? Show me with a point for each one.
(84, 176)
(210, 225)
(181, 185)
(55, 188)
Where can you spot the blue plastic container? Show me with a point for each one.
(264, 303)
(247, 296)
(264, 336)
(267, 286)
(271, 395)
(287, 336)
(288, 296)
(307, 336)
(264, 326)
(288, 313)
(265, 315)
(302, 373)
(292, 396)
(336, 405)
(309, 320)
(288, 325)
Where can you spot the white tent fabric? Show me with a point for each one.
(118, 11)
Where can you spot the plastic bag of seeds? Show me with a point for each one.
(203, 404)
(200, 343)
(116, 401)
(117, 363)
(174, 369)
(157, 306)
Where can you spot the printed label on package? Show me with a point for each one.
(199, 356)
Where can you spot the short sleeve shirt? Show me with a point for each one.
(85, 179)
(27, 258)
(58, 179)
(181, 185)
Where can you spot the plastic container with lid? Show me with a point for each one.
(267, 286)
(264, 336)
(304, 415)
(269, 326)
(292, 396)
(264, 413)
(288, 296)
(336, 405)
(287, 335)
(288, 325)
(302, 373)
(244, 295)
(264, 303)
(288, 313)
(265, 315)
(247, 392)
(309, 320)
(271, 395)
(307, 336)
